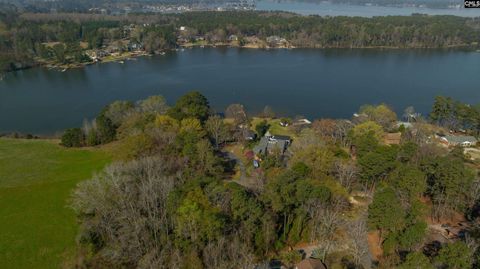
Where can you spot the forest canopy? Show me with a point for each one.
(175, 199)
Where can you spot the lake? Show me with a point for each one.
(313, 83)
(330, 9)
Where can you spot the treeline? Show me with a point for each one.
(84, 6)
(398, 3)
(416, 31)
(172, 201)
(455, 115)
(27, 39)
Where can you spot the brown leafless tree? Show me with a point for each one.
(217, 130)
(346, 173)
(326, 223)
(124, 211)
(358, 247)
(228, 252)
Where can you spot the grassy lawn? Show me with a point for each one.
(275, 127)
(36, 179)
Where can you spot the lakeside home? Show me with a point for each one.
(392, 138)
(458, 140)
(270, 143)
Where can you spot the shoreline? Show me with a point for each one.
(254, 46)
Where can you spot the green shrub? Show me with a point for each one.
(72, 137)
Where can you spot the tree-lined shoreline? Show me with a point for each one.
(72, 40)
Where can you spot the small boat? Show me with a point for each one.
(63, 70)
(122, 62)
(162, 53)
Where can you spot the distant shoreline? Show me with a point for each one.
(132, 55)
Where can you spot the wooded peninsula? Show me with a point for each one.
(194, 189)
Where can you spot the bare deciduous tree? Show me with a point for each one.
(346, 173)
(358, 247)
(326, 222)
(124, 210)
(228, 253)
(217, 130)
(237, 113)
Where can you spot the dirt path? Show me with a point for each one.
(374, 245)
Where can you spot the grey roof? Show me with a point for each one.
(461, 139)
(281, 137)
(261, 147)
(266, 144)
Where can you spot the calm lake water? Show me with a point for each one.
(329, 9)
(313, 83)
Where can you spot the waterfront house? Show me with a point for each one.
(270, 143)
(134, 46)
(458, 140)
(232, 38)
(392, 138)
(276, 41)
(182, 40)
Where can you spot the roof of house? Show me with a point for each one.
(261, 146)
(266, 144)
(281, 137)
(302, 122)
(310, 264)
(392, 138)
(404, 123)
(460, 139)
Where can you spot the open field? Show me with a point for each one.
(36, 178)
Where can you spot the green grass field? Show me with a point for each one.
(37, 229)
(275, 127)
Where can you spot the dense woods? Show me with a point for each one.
(28, 39)
(342, 191)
